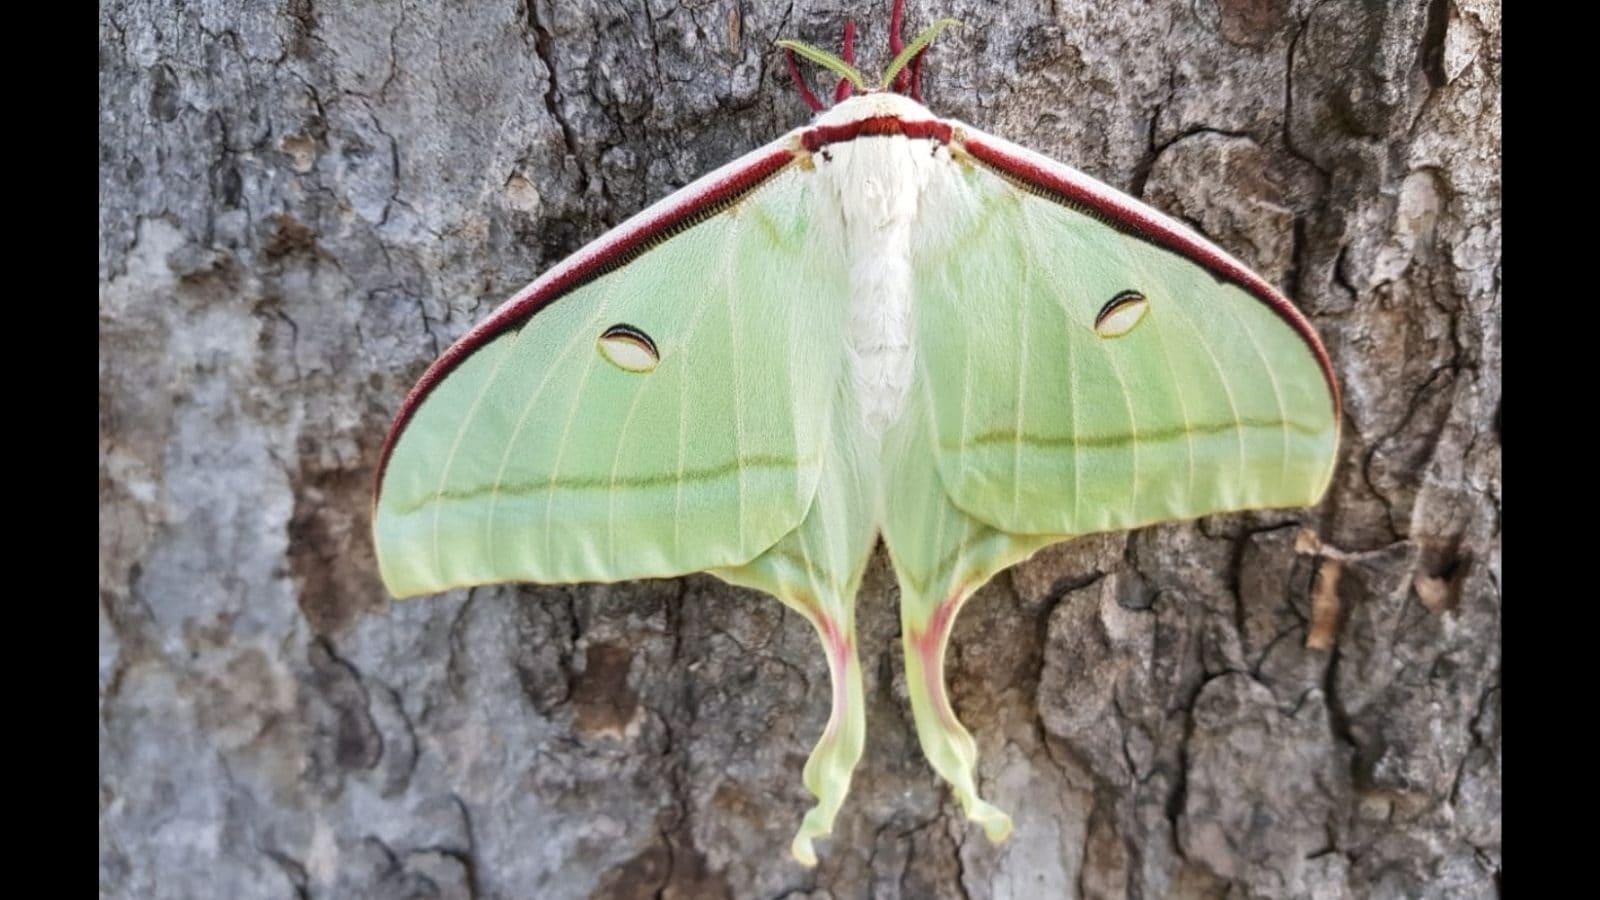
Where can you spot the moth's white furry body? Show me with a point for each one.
(875, 186)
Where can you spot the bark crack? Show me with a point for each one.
(544, 46)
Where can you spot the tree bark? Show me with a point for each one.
(303, 203)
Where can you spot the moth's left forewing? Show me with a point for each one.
(1093, 365)
(655, 405)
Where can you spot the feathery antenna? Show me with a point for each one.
(904, 75)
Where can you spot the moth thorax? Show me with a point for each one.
(878, 183)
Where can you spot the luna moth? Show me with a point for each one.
(884, 324)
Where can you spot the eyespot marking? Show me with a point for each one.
(1120, 314)
(628, 348)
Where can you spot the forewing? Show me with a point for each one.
(559, 450)
(1217, 398)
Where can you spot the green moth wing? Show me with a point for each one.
(655, 406)
(1084, 364)
(941, 556)
(667, 401)
(1096, 366)
(816, 570)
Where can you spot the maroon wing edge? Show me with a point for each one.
(610, 251)
(1136, 221)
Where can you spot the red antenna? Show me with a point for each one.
(845, 88)
(897, 20)
(800, 82)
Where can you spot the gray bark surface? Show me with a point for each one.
(303, 202)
